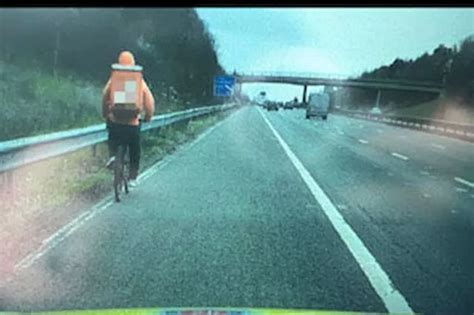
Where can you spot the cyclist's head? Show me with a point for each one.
(126, 58)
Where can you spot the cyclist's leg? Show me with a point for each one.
(134, 151)
(115, 135)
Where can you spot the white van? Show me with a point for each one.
(318, 105)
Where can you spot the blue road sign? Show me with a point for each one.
(223, 85)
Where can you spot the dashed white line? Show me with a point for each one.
(463, 181)
(380, 281)
(363, 141)
(395, 154)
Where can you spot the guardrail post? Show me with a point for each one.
(9, 185)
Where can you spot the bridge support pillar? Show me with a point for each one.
(379, 95)
(305, 91)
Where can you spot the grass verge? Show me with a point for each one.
(440, 109)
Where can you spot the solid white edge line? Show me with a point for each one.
(363, 141)
(395, 154)
(55, 239)
(380, 281)
(463, 181)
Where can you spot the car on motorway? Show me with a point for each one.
(288, 105)
(318, 106)
(299, 105)
(271, 106)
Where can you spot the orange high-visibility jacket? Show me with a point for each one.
(148, 102)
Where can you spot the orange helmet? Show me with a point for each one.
(126, 58)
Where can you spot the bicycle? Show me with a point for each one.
(121, 171)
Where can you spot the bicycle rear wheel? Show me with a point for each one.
(126, 170)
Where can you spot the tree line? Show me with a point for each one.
(173, 45)
(450, 66)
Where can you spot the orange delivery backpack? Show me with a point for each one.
(126, 88)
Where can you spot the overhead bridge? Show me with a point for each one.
(338, 81)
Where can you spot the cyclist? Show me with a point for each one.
(126, 130)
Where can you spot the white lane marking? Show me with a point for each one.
(439, 146)
(395, 154)
(380, 281)
(65, 231)
(363, 141)
(64, 228)
(463, 190)
(60, 236)
(463, 181)
(341, 133)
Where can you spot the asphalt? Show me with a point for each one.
(229, 222)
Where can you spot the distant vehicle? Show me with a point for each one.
(272, 106)
(288, 105)
(299, 105)
(318, 105)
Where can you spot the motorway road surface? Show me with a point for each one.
(269, 209)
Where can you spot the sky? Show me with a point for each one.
(341, 41)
